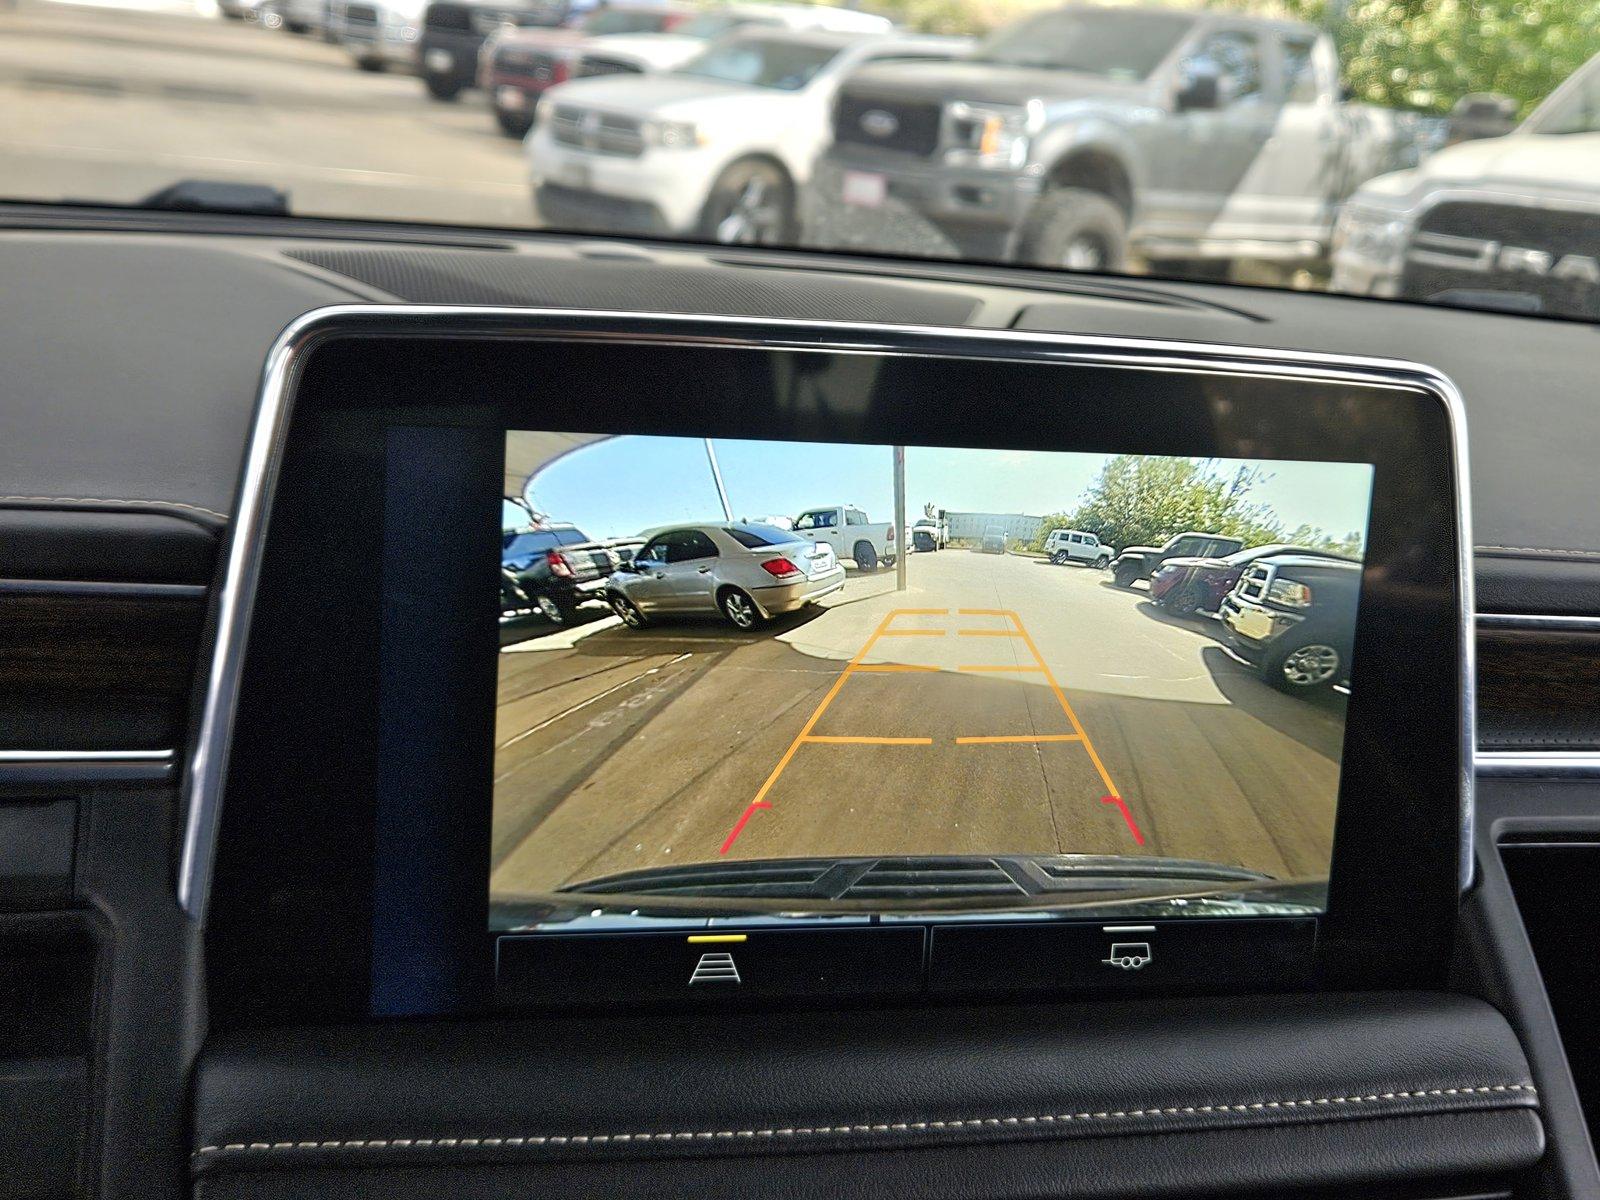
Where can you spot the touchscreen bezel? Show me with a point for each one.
(488, 329)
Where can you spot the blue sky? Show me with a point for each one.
(619, 487)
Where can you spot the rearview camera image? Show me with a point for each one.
(746, 677)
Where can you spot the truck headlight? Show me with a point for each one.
(1373, 234)
(672, 135)
(1290, 593)
(992, 135)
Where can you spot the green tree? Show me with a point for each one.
(1141, 500)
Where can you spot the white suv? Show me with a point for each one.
(1073, 545)
(718, 149)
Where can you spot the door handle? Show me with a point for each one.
(705, 570)
(658, 574)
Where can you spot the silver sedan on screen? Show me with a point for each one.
(747, 572)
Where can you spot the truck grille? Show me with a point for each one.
(1253, 584)
(1548, 258)
(597, 132)
(908, 127)
(594, 64)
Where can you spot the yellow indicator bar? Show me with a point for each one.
(705, 939)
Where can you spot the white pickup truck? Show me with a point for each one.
(851, 534)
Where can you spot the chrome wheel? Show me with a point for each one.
(1311, 666)
(740, 609)
(552, 611)
(631, 616)
(756, 216)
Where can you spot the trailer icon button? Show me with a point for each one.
(1129, 956)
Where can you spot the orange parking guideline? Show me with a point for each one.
(1017, 630)
(816, 739)
(1022, 738)
(800, 738)
(1061, 698)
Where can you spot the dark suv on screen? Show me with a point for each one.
(1293, 618)
(1197, 585)
(1140, 562)
(557, 568)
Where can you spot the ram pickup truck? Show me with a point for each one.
(1419, 234)
(1083, 137)
(851, 534)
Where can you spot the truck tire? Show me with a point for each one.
(558, 610)
(1126, 575)
(512, 124)
(1075, 229)
(441, 87)
(1306, 663)
(752, 203)
(866, 557)
(1184, 602)
(1061, 558)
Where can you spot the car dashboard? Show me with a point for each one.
(175, 1030)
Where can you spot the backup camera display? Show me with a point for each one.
(744, 677)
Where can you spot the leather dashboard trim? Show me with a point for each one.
(762, 1085)
(1189, 1116)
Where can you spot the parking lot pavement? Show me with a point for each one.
(114, 103)
(1001, 704)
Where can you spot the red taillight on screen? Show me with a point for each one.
(559, 566)
(890, 538)
(561, 72)
(780, 568)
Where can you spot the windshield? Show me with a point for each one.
(1116, 45)
(765, 62)
(1434, 154)
(1577, 111)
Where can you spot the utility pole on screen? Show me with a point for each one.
(716, 475)
(902, 535)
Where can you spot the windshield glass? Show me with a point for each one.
(765, 62)
(1578, 111)
(1113, 44)
(1429, 153)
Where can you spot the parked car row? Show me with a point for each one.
(1179, 140)
(1289, 611)
(749, 571)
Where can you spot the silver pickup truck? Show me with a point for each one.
(1081, 137)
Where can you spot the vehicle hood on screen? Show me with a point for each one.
(904, 878)
(977, 81)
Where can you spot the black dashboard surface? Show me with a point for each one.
(132, 362)
(114, 398)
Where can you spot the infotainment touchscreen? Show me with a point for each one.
(777, 677)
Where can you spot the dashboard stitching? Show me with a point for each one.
(210, 512)
(800, 1131)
